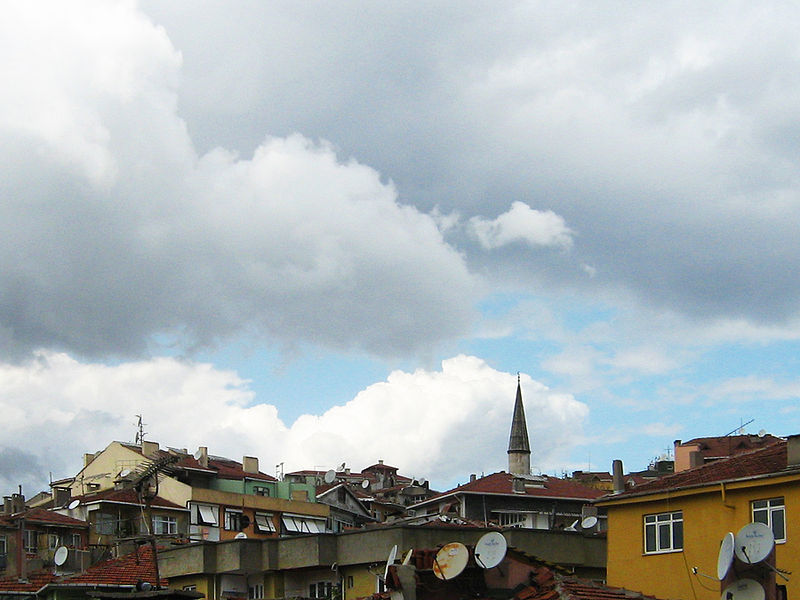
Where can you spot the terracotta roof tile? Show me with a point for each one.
(546, 487)
(764, 461)
(126, 570)
(730, 444)
(33, 582)
(44, 516)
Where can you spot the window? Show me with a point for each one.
(105, 524)
(260, 490)
(298, 524)
(350, 582)
(255, 592)
(3, 552)
(76, 541)
(164, 525)
(511, 519)
(771, 513)
(663, 532)
(29, 541)
(204, 515)
(320, 590)
(189, 588)
(53, 541)
(234, 520)
(264, 523)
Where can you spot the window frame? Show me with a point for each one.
(165, 525)
(233, 519)
(656, 524)
(771, 506)
(30, 541)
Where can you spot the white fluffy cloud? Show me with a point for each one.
(521, 223)
(441, 424)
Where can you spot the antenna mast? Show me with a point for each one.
(140, 432)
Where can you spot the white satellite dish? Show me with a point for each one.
(490, 549)
(390, 561)
(330, 476)
(407, 557)
(365, 484)
(124, 473)
(725, 558)
(753, 543)
(572, 527)
(74, 504)
(60, 557)
(450, 560)
(743, 589)
(422, 481)
(589, 522)
(240, 536)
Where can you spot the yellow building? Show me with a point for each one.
(664, 536)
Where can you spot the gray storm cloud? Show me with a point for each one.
(115, 233)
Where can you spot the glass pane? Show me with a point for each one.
(759, 504)
(677, 535)
(664, 537)
(650, 538)
(760, 516)
(778, 527)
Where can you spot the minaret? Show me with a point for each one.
(519, 448)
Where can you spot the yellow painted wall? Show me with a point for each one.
(203, 583)
(364, 582)
(708, 514)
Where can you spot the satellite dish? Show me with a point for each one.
(341, 467)
(365, 484)
(725, 558)
(330, 476)
(407, 557)
(743, 589)
(74, 504)
(60, 557)
(422, 481)
(589, 522)
(450, 560)
(198, 455)
(762, 433)
(390, 561)
(124, 473)
(240, 536)
(490, 549)
(572, 527)
(753, 543)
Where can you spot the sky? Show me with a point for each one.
(339, 232)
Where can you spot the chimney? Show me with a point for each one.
(472, 477)
(150, 449)
(250, 464)
(202, 456)
(17, 503)
(6, 505)
(380, 461)
(87, 458)
(617, 477)
(793, 451)
(695, 459)
(61, 496)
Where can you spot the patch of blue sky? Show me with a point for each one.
(309, 382)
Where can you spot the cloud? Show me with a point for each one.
(523, 224)
(116, 235)
(661, 136)
(440, 424)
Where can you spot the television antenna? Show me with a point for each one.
(140, 432)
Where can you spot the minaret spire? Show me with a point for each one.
(519, 448)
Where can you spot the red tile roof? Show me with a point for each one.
(715, 447)
(124, 571)
(767, 461)
(43, 516)
(126, 496)
(223, 467)
(540, 487)
(32, 583)
(546, 584)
